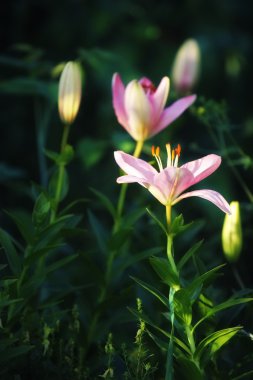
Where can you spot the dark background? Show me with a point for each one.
(134, 38)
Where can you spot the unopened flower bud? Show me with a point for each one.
(232, 233)
(186, 66)
(70, 91)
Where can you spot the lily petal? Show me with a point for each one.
(130, 179)
(135, 166)
(160, 96)
(203, 167)
(118, 93)
(210, 195)
(138, 110)
(173, 112)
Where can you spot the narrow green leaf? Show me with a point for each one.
(131, 260)
(164, 271)
(214, 342)
(191, 252)
(98, 231)
(195, 287)
(60, 263)
(105, 201)
(24, 224)
(10, 251)
(222, 306)
(160, 224)
(6, 302)
(153, 291)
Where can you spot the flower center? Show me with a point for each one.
(147, 86)
(172, 156)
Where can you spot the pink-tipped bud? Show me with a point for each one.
(186, 66)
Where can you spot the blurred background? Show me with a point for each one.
(134, 38)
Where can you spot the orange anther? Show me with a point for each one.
(157, 152)
(178, 150)
(172, 155)
(153, 150)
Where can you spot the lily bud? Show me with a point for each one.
(186, 66)
(232, 233)
(70, 92)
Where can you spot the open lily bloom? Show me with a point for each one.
(140, 106)
(169, 183)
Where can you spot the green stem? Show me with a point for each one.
(237, 276)
(61, 174)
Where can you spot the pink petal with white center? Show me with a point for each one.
(160, 96)
(118, 93)
(173, 112)
(203, 167)
(135, 166)
(210, 195)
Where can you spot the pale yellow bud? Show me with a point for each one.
(70, 92)
(232, 233)
(186, 66)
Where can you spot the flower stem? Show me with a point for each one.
(59, 184)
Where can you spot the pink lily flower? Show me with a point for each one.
(140, 106)
(169, 183)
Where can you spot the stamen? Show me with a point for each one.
(177, 152)
(156, 154)
(168, 148)
(172, 156)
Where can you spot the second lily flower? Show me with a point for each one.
(140, 106)
(169, 183)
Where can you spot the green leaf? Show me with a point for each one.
(60, 263)
(160, 224)
(41, 211)
(52, 233)
(153, 291)
(178, 225)
(182, 307)
(131, 260)
(212, 343)
(191, 252)
(222, 306)
(98, 231)
(119, 238)
(52, 155)
(13, 352)
(105, 201)
(24, 224)
(164, 271)
(195, 287)
(67, 155)
(12, 256)
(7, 302)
